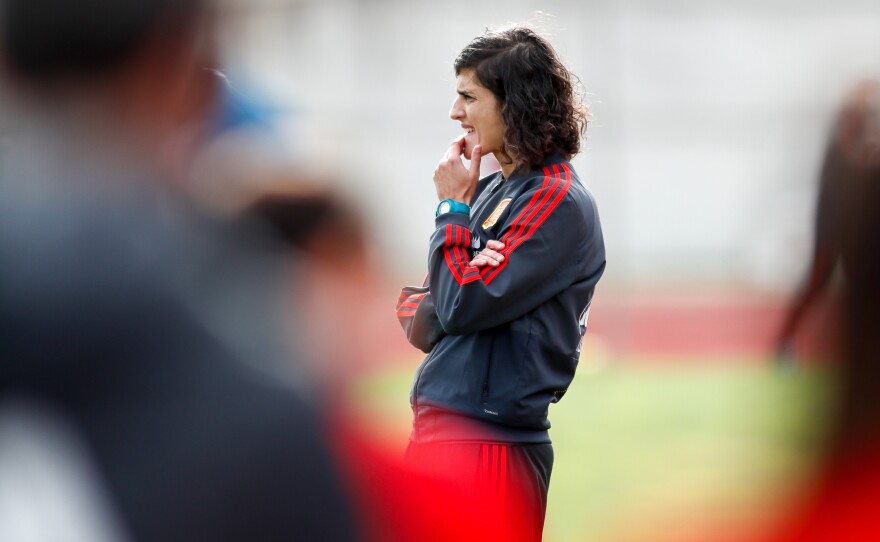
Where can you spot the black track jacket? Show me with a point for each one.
(504, 341)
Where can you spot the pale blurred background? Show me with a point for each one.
(709, 122)
(709, 117)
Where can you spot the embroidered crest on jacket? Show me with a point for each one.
(496, 214)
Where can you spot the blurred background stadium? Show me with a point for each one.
(709, 121)
(709, 118)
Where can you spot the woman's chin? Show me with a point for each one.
(470, 141)
(469, 148)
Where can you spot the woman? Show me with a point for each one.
(513, 264)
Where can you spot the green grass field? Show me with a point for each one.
(653, 450)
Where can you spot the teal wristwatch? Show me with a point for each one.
(452, 206)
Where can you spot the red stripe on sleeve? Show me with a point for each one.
(559, 195)
(546, 194)
(518, 226)
(456, 255)
(527, 210)
(459, 257)
(541, 211)
(411, 301)
(447, 254)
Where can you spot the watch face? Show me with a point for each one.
(445, 206)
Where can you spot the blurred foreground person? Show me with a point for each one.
(513, 264)
(126, 411)
(851, 158)
(396, 500)
(844, 500)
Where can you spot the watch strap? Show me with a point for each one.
(452, 206)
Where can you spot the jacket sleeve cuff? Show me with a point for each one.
(458, 219)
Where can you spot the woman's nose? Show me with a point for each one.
(457, 111)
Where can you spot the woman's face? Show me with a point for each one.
(477, 110)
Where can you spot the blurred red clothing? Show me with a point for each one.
(401, 501)
(845, 504)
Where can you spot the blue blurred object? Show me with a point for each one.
(236, 109)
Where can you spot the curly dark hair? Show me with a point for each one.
(539, 97)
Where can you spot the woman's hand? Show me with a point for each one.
(489, 255)
(451, 178)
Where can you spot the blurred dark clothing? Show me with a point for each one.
(841, 182)
(46, 40)
(843, 500)
(130, 315)
(851, 159)
(858, 427)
